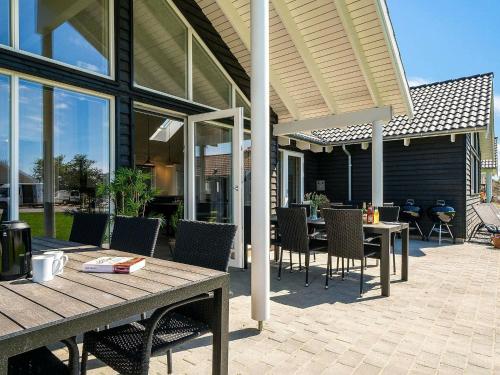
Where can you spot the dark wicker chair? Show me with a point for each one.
(346, 239)
(128, 348)
(42, 361)
(204, 244)
(294, 236)
(89, 229)
(390, 214)
(136, 235)
(307, 206)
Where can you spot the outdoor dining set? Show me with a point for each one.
(125, 319)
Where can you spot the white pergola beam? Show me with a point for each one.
(334, 121)
(283, 141)
(316, 148)
(301, 145)
(352, 35)
(241, 28)
(291, 26)
(260, 184)
(378, 163)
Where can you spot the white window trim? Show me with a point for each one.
(193, 34)
(14, 42)
(14, 130)
(284, 174)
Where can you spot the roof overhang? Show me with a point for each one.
(327, 57)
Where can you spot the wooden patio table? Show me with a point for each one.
(384, 230)
(34, 315)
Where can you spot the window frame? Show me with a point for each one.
(14, 42)
(14, 130)
(193, 34)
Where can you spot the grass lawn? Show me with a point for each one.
(35, 221)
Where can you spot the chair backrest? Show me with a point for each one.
(344, 231)
(388, 204)
(292, 224)
(388, 213)
(487, 213)
(89, 229)
(204, 244)
(307, 206)
(136, 235)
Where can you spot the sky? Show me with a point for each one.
(445, 39)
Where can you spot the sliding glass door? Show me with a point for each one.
(215, 171)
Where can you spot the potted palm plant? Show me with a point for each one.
(130, 191)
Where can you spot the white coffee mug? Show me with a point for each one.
(60, 260)
(43, 267)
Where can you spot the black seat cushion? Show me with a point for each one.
(121, 347)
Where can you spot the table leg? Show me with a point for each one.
(4, 365)
(385, 264)
(220, 331)
(405, 253)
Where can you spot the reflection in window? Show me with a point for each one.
(73, 32)
(213, 163)
(5, 22)
(64, 153)
(210, 86)
(160, 48)
(4, 145)
(240, 102)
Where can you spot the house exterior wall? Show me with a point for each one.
(122, 87)
(429, 169)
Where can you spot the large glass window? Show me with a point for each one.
(213, 163)
(64, 153)
(160, 48)
(5, 22)
(4, 146)
(73, 32)
(210, 86)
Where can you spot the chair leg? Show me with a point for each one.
(245, 257)
(281, 262)
(394, 260)
(300, 261)
(307, 267)
(328, 270)
(291, 264)
(314, 256)
(169, 361)
(85, 357)
(353, 262)
(331, 265)
(342, 268)
(348, 265)
(361, 278)
(74, 355)
(337, 265)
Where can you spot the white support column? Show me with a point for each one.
(378, 163)
(489, 186)
(260, 160)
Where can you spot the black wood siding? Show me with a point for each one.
(429, 169)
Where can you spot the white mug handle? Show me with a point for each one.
(64, 259)
(58, 265)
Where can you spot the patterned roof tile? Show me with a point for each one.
(439, 107)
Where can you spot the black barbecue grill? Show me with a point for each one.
(441, 215)
(411, 214)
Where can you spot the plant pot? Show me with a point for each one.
(314, 212)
